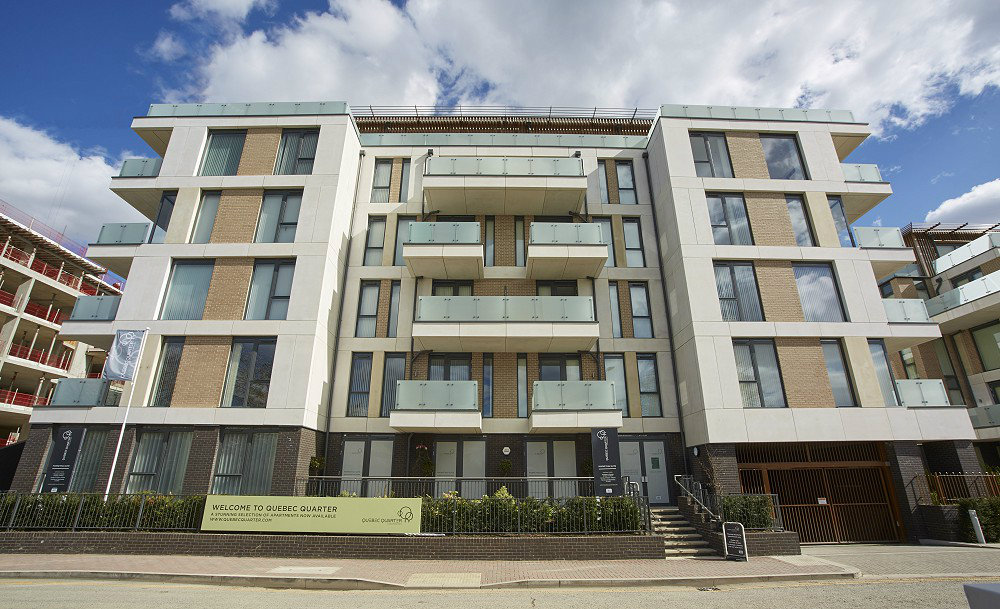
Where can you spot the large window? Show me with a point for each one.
(738, 296)
(728, 215)
(450, 367)
(784, 162)
(614, 371)
(88, 461)
(758, 373)
(245, 463)
(818, 292)
(616, 310)
(986, 338)
(380, 183)
(166, 371)
(522, 385)
(367, 309)
(519, 252)
(297, 151)
(642, 317)
(391, 327)
(883, 372)
(361, 380)
(394, 370)
(444, 287)
(555, 288)
(800, 221)
(626, 183)
(558, 367)
(375, 241)
(223, 152)
(188, 289)
(279, 217)
(964, 278)
(205, 221)
(606, 237)
(402, 234)
(487, 385)
(633, 243)
(711, 155)
(489, 252)
(649, 385)
(249, 376)
(836, 369)
(160, 462)
(404, 181)
(163, 214)
(840, 221)
(270, 289)
(602, 177)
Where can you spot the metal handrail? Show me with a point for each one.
(693, 489)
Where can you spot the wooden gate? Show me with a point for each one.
(827, 501)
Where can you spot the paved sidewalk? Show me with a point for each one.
(911, 561)
(394, 574)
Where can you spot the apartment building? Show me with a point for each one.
(956, 275)
(366, 293)
(42, 273)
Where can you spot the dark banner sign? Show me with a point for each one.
(607, 462)
(735, 540)
(65, 447)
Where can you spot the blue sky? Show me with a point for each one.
(927, 78)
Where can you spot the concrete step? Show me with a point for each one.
(675, 529)
(687, 543)
(689, 552)
(668, 519)
(671, 536)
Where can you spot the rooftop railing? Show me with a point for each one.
(967, 252)
(552, 309)
(504, 166)
(816, 115)
(861, 172)
(964, 294)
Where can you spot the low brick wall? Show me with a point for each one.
(940, 522)
(759, 543)
(594, 547)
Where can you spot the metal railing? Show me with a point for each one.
(861, 172)
(818, 115)
(505, 309)
(80, 511)
(437, 486)
(756, 511)
(503, 166)
(949, 488)
(967, 252)
(964, 294)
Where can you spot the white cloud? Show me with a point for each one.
(941, 176)
(981, 204)
(168, 47)
(236, 10)
(58, 184)
(894, 67)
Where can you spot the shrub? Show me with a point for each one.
(752, 511)
(91, 511)
(988, 511)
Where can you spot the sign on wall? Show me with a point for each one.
(262, 514)
(607, 462)
(66, 444)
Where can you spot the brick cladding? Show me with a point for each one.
(769, 219)
(611, 170)
(625, 309)
(227, 292)
(259, 151)
(124, 460)
(803, 372)
(776, 282)
(236, 219)
(36, 450)
(395, 180)
(746, 155)
(201, 372)
(990, 266)
(201, 460)
(384, 300)
(970, 355)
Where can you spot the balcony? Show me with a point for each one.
(922, 393)
(861, 172)
(504, 185)
(140, 168)
(45, 312)
(95, 308)
(968, 305)
(967, 252)
(437, 407)
(86, 393)
(560, 250)
(505, 323)
(444, 250)
(864, 188)
(885, 247)
(117, 244)
(41, 356)
(985, 416)
(909, 324)
(21, 398)
(574, 406)
(906, 311)
(123, 234)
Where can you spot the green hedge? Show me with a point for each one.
(753, 511)
(64, 510)
(988, 511)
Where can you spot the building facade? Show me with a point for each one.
(379, 293)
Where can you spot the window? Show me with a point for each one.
(818, 292)
(279, 217)
(361, 380)
(800, 221)
(555, 288)
(606, 237)
(394, 370)
(758, 374)
(88, 461)
(986, 338)
(840, 221)
(163, 213)
(166, 371)
(602, 176)
(188, 289)
(738, 296)
(948, 375)
(616, 310)
(223, 152)
(297, 152)
(642, 319)
(836, 370)
(783, 159)
(522, 385)
(946, 248)
(249, 376)
(404, 182)
(402, 234)
(487, 385)
(964, 278)
(633, 243)
(380, 183)
(160, 462)
(367, 309)
(375, 241)
(518, 241)
(649, 385)
(614, 371)
(711, 155)
(556, 367)
(626, 183)
(450, 367)
(442, 287)
(205, 221)
(728, 215)
(270, 289)
(885, 289)
(883, 372)
(245, 463)
(490, 250)
(393, 309)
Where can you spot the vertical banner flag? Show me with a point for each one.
(123, 358)
(607, 461)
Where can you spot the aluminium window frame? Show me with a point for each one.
(752, 343)
(300, 132)
(729, 221)
(855, 402)
(367, 283)
(256, 341)
(798, 150)
(730, 266)
(641, 246)
(282, 222)
(703, 136)
(278, 263)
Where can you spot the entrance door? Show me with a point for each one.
(473, 466)
(631, 463)
(564, 466)
(657, 488)
(379, 466)
(354, 466)
(538, 467)
(445, 466)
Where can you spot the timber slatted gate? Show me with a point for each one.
(829, 492)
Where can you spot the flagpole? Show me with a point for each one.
(128, 407)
